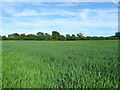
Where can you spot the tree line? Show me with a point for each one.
(57, 37)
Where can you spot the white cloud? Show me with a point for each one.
(69, 13)
(63, 26)
(32, 12)
(79, 20)
(27, 12)
(86, 14)
(66, 25)
(82, 17)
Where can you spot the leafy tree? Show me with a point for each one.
(61, 37)
(73, 37)
(80, 36)
(0, 37)
(47, 37)
(40, 33)
(11, 36)
(30, 37)
(102, 38)
(88, 38)
(111, 38)
(40, 36)
(14, 36)
(4, 38)
(55, 35)
(117, 34)
(95, 38)
(68, 37)
(22, 36)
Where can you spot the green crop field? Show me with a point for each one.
(0, 65)
(60, 64)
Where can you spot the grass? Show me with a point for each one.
(0, 65)
(56, 64)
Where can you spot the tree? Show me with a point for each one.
(61, 37)
(30, 37)
(117, 34)
(11, 36)
(80, 36)
(88, 38)
(47, 37)
(22, 36)
(0, 37)
(40, 36)
(55, 35)
(73, 37)
(95, 38)
(4, 38)
(14, 36)
(67, 37)
(101, 38)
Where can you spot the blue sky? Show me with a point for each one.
(90, 18)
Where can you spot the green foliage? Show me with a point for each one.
(67, 37)
(61, 38)
(117, 34)
(72, 37)
(55, 35)
(22, 36)
(74, 64)
(4, 38)
(80, 36)
(1, 65)
(0, 37)
(30, 37)
(48, 37)
(40, 36)
(10, 36)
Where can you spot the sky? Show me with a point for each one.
(89, 18)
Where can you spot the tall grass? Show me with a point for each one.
(56, 64)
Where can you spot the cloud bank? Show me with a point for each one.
(98, 19)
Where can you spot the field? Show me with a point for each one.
(0, 65)
(58, 64)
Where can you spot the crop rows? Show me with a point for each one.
(59, 64)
